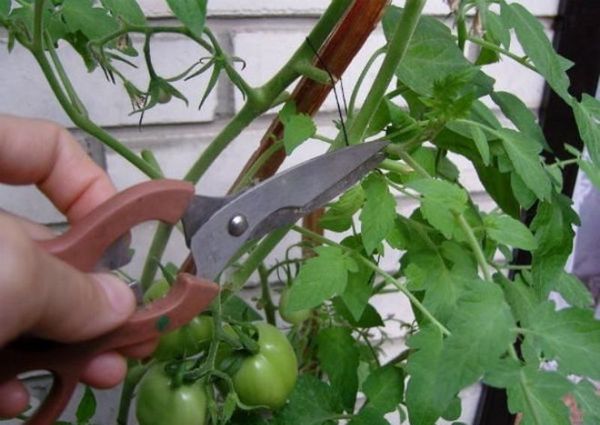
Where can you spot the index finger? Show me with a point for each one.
(45, 154)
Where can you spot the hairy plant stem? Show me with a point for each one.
(135, 372)
(265, 295)
(396, 49)
(386, 276)
(80, 120)
(475, 246)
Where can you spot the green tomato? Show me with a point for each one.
(186, 340)
(268, 377)
(292, 317)
(159, 403)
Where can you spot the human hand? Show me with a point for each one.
(39, 294)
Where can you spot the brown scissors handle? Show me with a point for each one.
(83, 246)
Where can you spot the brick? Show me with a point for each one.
(159, 8)
(28, 94)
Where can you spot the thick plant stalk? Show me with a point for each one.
(336, 54)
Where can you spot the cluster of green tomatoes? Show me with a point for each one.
(261, 377)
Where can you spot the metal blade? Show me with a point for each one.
(280, 200)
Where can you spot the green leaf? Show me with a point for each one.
(442, 200)
(368, 416)
(481, 333)
(93, 22)
(481, 143)
(384, 388)
(312, 402)
(519, 295)
(339, 215)
(506, 230)
(320, 278)
(591, 104)
(538, 47)
(523, 154)
(520, 115)
(432, 54)
(524, 195)
(338, 356)
(369, 318)
(496, 28)
(357, 293)
(589, 129)
(4, 8)
(574, 291)
(495, 183)
(297, 129)
(570, 336)
(87, 406)
(127, 10)
(553, 229)
(191, 13)
(588, 401)
(378, 213)
(537, 394)
(423, 366)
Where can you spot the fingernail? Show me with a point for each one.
(118, 293)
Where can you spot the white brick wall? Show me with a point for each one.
(178, 134)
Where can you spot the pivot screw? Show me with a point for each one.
(237, 225)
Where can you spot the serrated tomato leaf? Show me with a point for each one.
(506, 230)
(320, 278)
(192, 13)
(538, 47)
(442, 201)
(524, 155)
(127, 10)
(570, 336)
(338, 356)
(378, 213)
(312, 402)
(384, 388)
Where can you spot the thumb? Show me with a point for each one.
(41, 295)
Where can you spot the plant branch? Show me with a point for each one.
(491, 46)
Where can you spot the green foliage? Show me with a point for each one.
(297, 127)
(321, 278)
(506, 230)
(378, 213)
(87, 407)
(537, 47)
(466, 319)
(192, 13)
(338, 355)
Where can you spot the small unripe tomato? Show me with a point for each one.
(292, 317)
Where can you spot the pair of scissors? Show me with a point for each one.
(215, 230)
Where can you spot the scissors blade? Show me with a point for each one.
(278, 201)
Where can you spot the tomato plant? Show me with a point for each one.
(433, 99)
(161, 401)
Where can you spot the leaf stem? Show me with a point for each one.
(386, 276)
(483, 43)
(475, 247)
(266, 299)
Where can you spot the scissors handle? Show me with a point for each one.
(83, 246)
